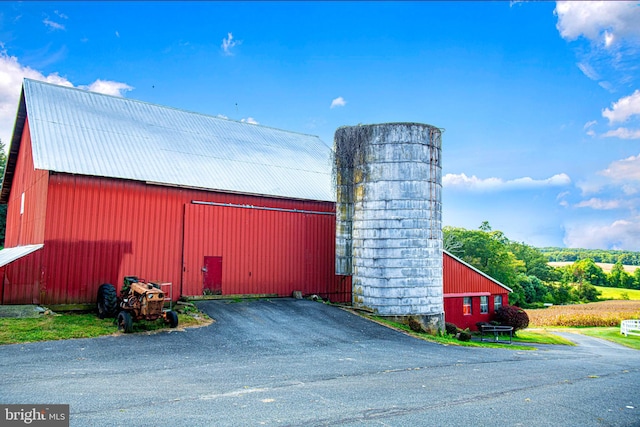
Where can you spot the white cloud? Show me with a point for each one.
(229, 43)
(250, 120)
(60, 14)
(11, 75)
(52, 24)
(561, 198)
(117, 34)
(588, 71)
(222, 116)
(623, 234)
(587, 127)
(622, 133)
(608, 39)
(624, 108)
(591, 186)
(474, 183)
(599, 21)
(599, 204)
(623, 170)
(338, 102)
(108, 87)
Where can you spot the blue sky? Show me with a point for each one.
(540, 102)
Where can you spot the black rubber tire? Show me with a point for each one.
(125, 323)
(172, 318)
(107, 301)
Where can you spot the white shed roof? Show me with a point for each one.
(80, 132)
(8, 255)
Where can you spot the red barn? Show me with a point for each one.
(470, 296)
(113, 187)
(101, 187)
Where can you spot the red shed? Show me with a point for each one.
(112, 187)
(470, 296)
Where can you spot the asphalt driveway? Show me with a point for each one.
(296, 362)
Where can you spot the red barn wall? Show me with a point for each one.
(262, 251)
(459, 281)
(28, 227)
(22, 279)
(100, 229)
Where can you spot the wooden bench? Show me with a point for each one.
(630, 327)
(495, 331)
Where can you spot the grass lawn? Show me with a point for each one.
(541, 336)
(442, 339)
(611, 334)
(66, 326)
(617, 293)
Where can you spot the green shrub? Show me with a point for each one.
(464, 335)
(451, 328)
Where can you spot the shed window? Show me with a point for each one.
(466, 306)
(484, 305)
(497, 302)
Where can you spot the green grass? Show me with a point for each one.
(67, 326)
(541, 336)
(443, 339)
(611, 334)
(47, 328)
(617, 293)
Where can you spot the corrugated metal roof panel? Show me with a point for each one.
(8, 255)
(80, 132)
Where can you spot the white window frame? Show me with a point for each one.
(497, 302)
(484, 304)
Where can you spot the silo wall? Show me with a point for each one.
(389, 221)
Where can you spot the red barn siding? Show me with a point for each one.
(22, 279)
(263, 251)
(460, 280)
(98, 230)
(28, 227)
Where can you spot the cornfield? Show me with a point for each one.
(605, 313)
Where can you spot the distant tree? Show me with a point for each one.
(586, 292)
(561, 294)
(487, 251)
(597, 255)
(618, 278)
(585, 271)
(636, 279)
(535, 262)
(485, 226)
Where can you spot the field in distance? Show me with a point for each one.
(617, 293)
(606, 267)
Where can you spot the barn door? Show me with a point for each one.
(212, 277)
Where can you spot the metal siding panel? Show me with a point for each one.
(98, 230)
(22, 280)
(279, 249)
(459, 278)
(81, 132)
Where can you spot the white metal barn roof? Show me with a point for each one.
(8, 255)
(80, 132)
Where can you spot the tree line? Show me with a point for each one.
(597, 255)
(526, 271)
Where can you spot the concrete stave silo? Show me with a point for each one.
(389, 224)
